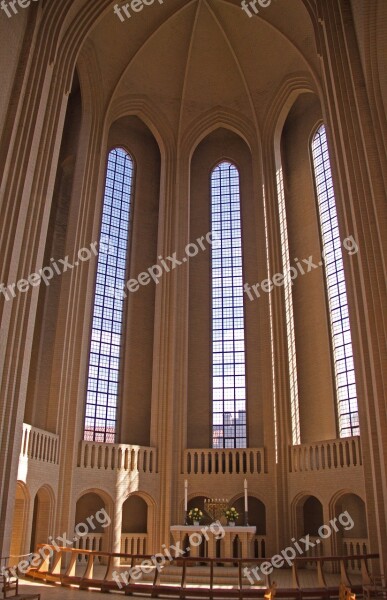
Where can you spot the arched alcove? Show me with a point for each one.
(92, 521)
(87, 506)
(352, 511)
(19, 543)
(256, 513)
(42, 517)
(313, 517)
(134, 530)
(351, 537)
(134, 515)
(309, 515)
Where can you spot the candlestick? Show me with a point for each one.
(246, 504)
(185, 502)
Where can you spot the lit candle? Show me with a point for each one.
(186, 495)
(245, 486)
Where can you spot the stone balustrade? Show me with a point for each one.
(39, 445)
(131, 543)
(211, 461)
(322, 456)
(112, 457)
(355, 547)
(134, 543)
(90, 541)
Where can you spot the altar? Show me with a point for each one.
(215, 540)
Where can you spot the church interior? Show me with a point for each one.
(193, 290)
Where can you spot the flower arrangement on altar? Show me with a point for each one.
(195, 514)
(231, 514)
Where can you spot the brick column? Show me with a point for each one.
(358, 168)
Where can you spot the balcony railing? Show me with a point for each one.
(111, 457)
(322, 456)
(92, 542)
(315, 551)
(131, 543)
(134, 543)
(354, 547)
(225, 462)
(39, 445)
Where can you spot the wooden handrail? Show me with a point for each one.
(156, 588)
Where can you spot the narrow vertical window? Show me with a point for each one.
(106, 335)
(228, 334)
(271, 327)
(294, 402)
(336, 290)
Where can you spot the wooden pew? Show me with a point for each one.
(9, 587)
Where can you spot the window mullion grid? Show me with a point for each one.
(336, 290)
(227, 434)
(100, 421)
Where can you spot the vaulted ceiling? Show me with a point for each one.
(192, 55)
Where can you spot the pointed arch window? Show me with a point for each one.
(228, 333)
(108, 310)
(347, 405)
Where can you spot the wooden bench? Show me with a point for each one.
(9, 587)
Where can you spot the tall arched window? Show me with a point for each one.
(336, 290)
(106, 335)
(228, 334)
